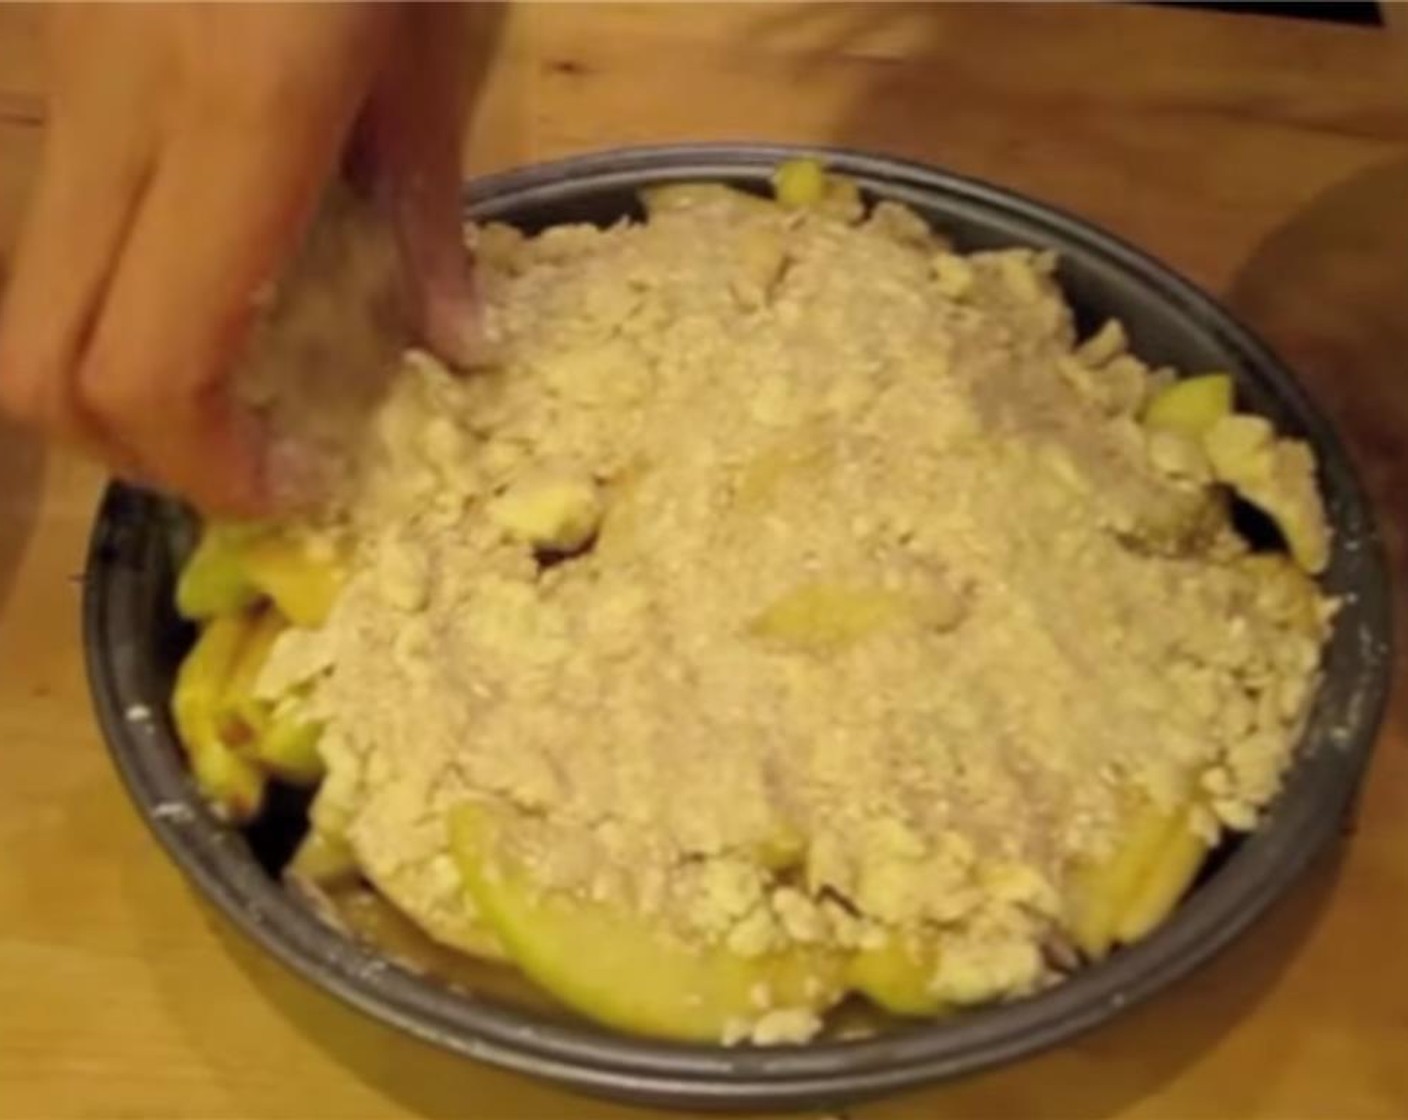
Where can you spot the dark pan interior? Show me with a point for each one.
(134, 642)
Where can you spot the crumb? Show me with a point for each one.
(765, 527)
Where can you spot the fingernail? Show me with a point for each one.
(454, 329)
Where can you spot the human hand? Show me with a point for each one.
(187, 149)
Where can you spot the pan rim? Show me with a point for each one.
(599, 1061)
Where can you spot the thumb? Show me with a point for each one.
(410, 139)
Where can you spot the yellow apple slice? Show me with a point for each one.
(213, 580)
(1190, 406)
(689, 196)
(799, 182)
(287, 747)
(1102, 890)
(324, 858)
(1164, 882)
(1285, 592)
(271, 731)
(825, 616)
(557, 512)
(1278, 476)
(233, 786)
(239, 717)
(302, 586)
(201, 680)
(235, 565)
(807, 451)
(896, 976)
(617, 966)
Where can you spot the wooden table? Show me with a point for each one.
(1267, 159)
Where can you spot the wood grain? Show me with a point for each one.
(1267, 159)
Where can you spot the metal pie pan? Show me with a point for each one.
(134, 642)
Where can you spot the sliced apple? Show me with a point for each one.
(618, 966)
(799, 182)
(1165, 880)
(202, 678)
(1276, 475)
(808, 451)
(823, 617)
(324, 858)
(1285, 591)
(688, 196)
(302, 586)
(239, 717)
(213, 580)
(272, 732)
(843, 200)
(826, 616)
(235, 565)
(288, 748)
(232, 785)
(1102, 890)
(1190, 406)
(784, 848)
(897, 976)
(555, 512)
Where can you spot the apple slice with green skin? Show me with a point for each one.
(896, 976)
(619, 967)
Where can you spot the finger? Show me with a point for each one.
(270, 94)
(414, 128)
(68, 250)
(223, 213)
(97, 156)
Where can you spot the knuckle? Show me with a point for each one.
(30, 390)
(105, 394)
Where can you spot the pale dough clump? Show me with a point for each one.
(797, 580)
